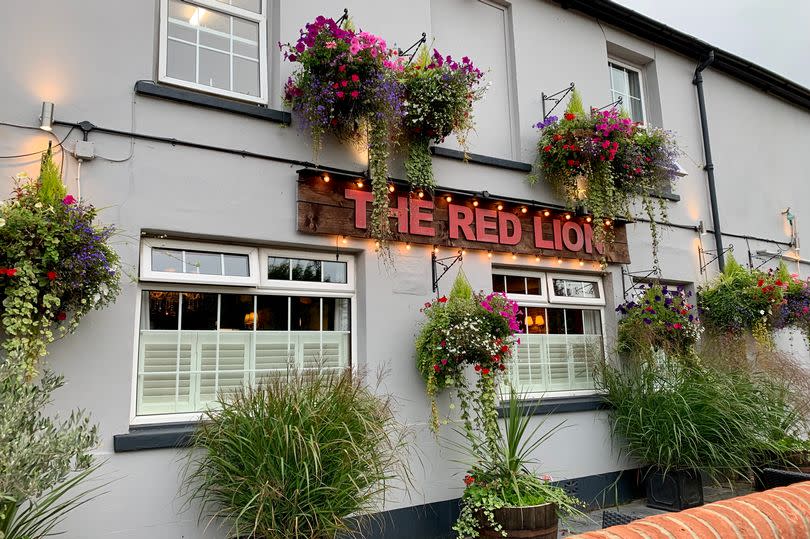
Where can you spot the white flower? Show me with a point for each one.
(38, 205)
(761, 311)
(2, 222)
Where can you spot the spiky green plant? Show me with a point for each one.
(51, 189)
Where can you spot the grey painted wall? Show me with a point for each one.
(86, 56)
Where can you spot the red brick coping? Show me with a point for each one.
(779, 513)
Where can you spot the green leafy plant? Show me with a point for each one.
(439, 97)
(44, 461)
(683, 415)
(466, 330)
(56, 264)
(602, 161)
(295, 456)
(505, 475)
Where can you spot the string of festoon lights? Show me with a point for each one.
(483, 199)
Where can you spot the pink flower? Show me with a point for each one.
(331, 45)
(68, 200)
(341, 68)
(340, 94)
(344, 83)
(355, 77)
(355, 94)
(677, 325)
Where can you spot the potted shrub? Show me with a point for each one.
(295, 456)
(346, 85)
(439, 97)
(681, 417)
(603, 161)
(504, 495)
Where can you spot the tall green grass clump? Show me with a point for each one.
(685, 416)
(295, 456)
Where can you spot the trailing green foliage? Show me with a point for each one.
(295, 456)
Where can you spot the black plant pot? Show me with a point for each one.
(674, 491)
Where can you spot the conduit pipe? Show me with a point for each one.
(707, 153)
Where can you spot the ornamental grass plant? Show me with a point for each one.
(295, 456)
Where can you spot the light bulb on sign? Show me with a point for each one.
(546, 213)
(500, 206)
(524, 209)
(326, 178)
(360, 184)
(421, 194)
(475, 203)
(391, 188)
(448, 199)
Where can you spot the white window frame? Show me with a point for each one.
(542, 297)
(148, 274)
(324, 289)
(640, 73)
(554, 298)
(233, 11)
(269, 288)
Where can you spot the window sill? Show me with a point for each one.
(481, 159)
(180, 95)
(154, 437)
(559, 405)
(666, 196)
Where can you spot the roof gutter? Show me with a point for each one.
(697, 80)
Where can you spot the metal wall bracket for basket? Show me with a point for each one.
(556, 98)
(706, 263)
(444, 264)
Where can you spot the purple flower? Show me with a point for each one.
(647, 321)
(547, 122)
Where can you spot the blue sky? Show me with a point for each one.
(772, 33)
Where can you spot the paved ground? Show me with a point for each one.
(638, 508)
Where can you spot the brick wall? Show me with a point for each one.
(780, 513)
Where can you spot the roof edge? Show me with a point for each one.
(651, 30)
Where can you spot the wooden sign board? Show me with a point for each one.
(339, 207)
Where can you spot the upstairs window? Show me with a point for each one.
(626, 82)
(216, 46)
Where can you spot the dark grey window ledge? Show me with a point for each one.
(181, 95)
(666, 196)
(155, 437)
(481, 159)
(559, 405)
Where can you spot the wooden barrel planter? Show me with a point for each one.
(533, 522)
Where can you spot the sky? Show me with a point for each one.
(772, 33)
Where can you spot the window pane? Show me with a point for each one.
(237, 265)
(335, 314)
(618, 79)
(272, 313)
(199, 311)
(636, 112)
(212, 20)
(181, 61)
(305, 314)
(181, 11)
(167, 260)
(592, 322)
(634, 87)
(236, 311)
(573, 321)
(536, 320)
(183, 32)
(515, 284)
(555, 320)
(533, 286)
(216, 41)
(214, 69)
(250, 5)
(576, 289)
(201, 263)
(163, 309)
(245, 76)
(278, 268)
(498, 283)
(246, 32)
(334, 272)
(306, 270)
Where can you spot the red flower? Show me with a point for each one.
(51, 275)
(557, 137)
(547, 148)
(443, 299)
(484, 371)
(469, 480)
(677, 325)
(444, 362)
(778, 282)
(427, 305)
(504, 348)
(11, 272)
(61, 315)
(336, 85)
(502, 367)
(684, 312)
(570, 162)
(355, 94)
(477, 368)
(355, 78)
(436, 367)
(342, 68)
(565, 146)
(344, 83)
(570, 116)
(443, 344)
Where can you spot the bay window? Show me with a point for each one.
(199, 340)
(561, 335)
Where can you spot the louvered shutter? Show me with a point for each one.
(223, 372)
(164, 384)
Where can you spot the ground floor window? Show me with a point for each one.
(561, 342)
(195, 342)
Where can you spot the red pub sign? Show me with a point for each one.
(340, 207)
